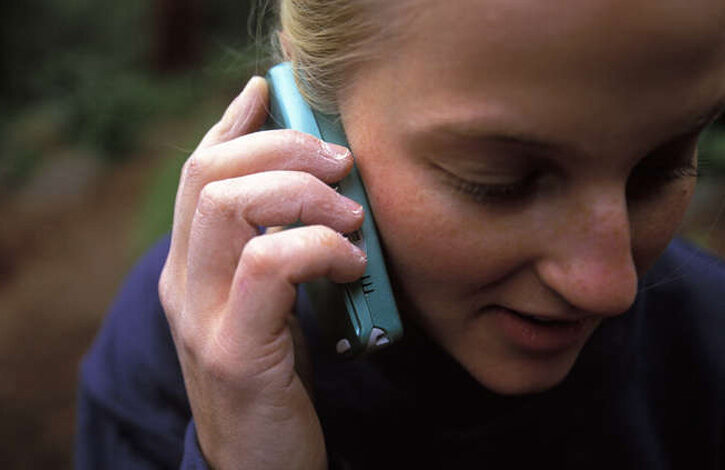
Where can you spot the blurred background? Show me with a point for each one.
(101, 103)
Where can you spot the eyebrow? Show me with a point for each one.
(544, 145)
(493, 135)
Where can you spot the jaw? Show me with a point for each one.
(494, 363)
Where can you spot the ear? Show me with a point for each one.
(286, 45)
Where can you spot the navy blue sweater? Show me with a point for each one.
(648, 390)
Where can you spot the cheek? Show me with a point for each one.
(420, 235)
(654, 223)
(440, 250)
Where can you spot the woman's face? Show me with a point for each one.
(527, 161)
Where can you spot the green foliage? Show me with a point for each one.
(156, 211)
(71, 75)
(48, 43)
(87, 68)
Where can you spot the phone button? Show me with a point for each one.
(343, 346)
(378, 338)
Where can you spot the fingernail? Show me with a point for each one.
(355, 208)
(334, 151)
(362, 256)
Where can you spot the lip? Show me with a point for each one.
(539, 337)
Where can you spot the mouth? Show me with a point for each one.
(541, 333)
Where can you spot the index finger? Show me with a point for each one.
(246, 113)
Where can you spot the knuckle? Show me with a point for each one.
(190, 345)
(186, 340)
(167, 295)
(172, 305)
(214, 201)
(309, 180)
(195, 167)
(258, 256)
(165, 290)
(307, 185)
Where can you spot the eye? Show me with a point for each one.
(513, 191)
(669, 163)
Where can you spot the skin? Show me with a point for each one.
(594, 83)
(596, 86)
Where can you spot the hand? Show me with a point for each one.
(228, 291)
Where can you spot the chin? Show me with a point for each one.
(524, 385)
(521, 375)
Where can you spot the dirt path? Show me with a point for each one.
(61, 263)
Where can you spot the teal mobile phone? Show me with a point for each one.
(370, 320)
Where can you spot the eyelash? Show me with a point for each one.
(655, 178)
(647, 181)
(497, 193)
(688, 170)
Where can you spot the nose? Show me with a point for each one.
(589, 260)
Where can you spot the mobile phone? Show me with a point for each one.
(370, 318)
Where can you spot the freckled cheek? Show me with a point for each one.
(427, 246)
(654, 223)
(441, 251)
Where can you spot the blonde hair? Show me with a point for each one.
(326, 40)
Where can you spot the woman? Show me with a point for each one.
(527, 164)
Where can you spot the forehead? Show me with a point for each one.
(557, 62)
(642, 35)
